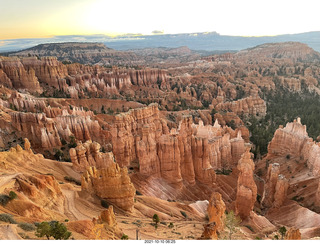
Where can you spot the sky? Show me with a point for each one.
(47, 18)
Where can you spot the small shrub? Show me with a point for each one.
(71, 179)
(7, 218)
(282, 231)
(276, 237)
(4, 199)
(207, 217)
(171, 225)
(66, 220)
(138, 193)
(184, 214)
(12, 195)
(24, 236)
(259, 198)
(288, 156)
(156, 219)
(27, 226)
(104, 203)
(249, 227)
(124, 237)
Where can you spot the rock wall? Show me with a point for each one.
(276, 187)
(248, 106)
(21, 77)
(246, 187)
(293, 234)
(37, 75)
(293, 140)
(112, 183)
(191, 152)
(88, 155)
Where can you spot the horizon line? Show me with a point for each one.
(112, 36)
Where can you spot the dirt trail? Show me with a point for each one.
(70, 206)
(7, 232)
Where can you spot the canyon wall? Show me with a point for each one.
(73, 80)
(191, 152)
(293, 140)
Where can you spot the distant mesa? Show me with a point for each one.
(285, 50)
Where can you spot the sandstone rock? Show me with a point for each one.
(246, 188)
(27, 145)
(249, 106)
(43, 190)
(281, 191)
(293, 140)
(317, 197)
(270, 186)
(112, 184)
(288, 140)
(293, 234)
(88, 154)
(20, 76)
(216, 211)
(108, 217)
(209, 232)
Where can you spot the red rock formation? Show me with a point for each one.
(281, 191)
(209, 232)
(248, 106)
(270, 186)
(276, 187)
(293, 140)
(112, 183)
(126, 126)
(317, 197)
(148, 77)
(293, 234)
(288, 140)
(21, 77)
(88, 154)
(246, 188)
(216, 211)
(41, 130)
(43, 190)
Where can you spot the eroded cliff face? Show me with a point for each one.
(88, 155)
(21, 77)
(74, 80)
(247, 106)
(293, 140)
(293, 234)
(246, 188)
(112, 183)
(191, 152)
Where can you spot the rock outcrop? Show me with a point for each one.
(21, 77)
(248, 106)
(191, 152)
(293, 234)
(88, 155)
(216, 211)
(276, 187)
(73, 80)
(43, 190)
(112, 184)
(293, 140)
(209, 232)
(317, 197)
(246, 188)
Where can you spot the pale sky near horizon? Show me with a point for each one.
(43, 18)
